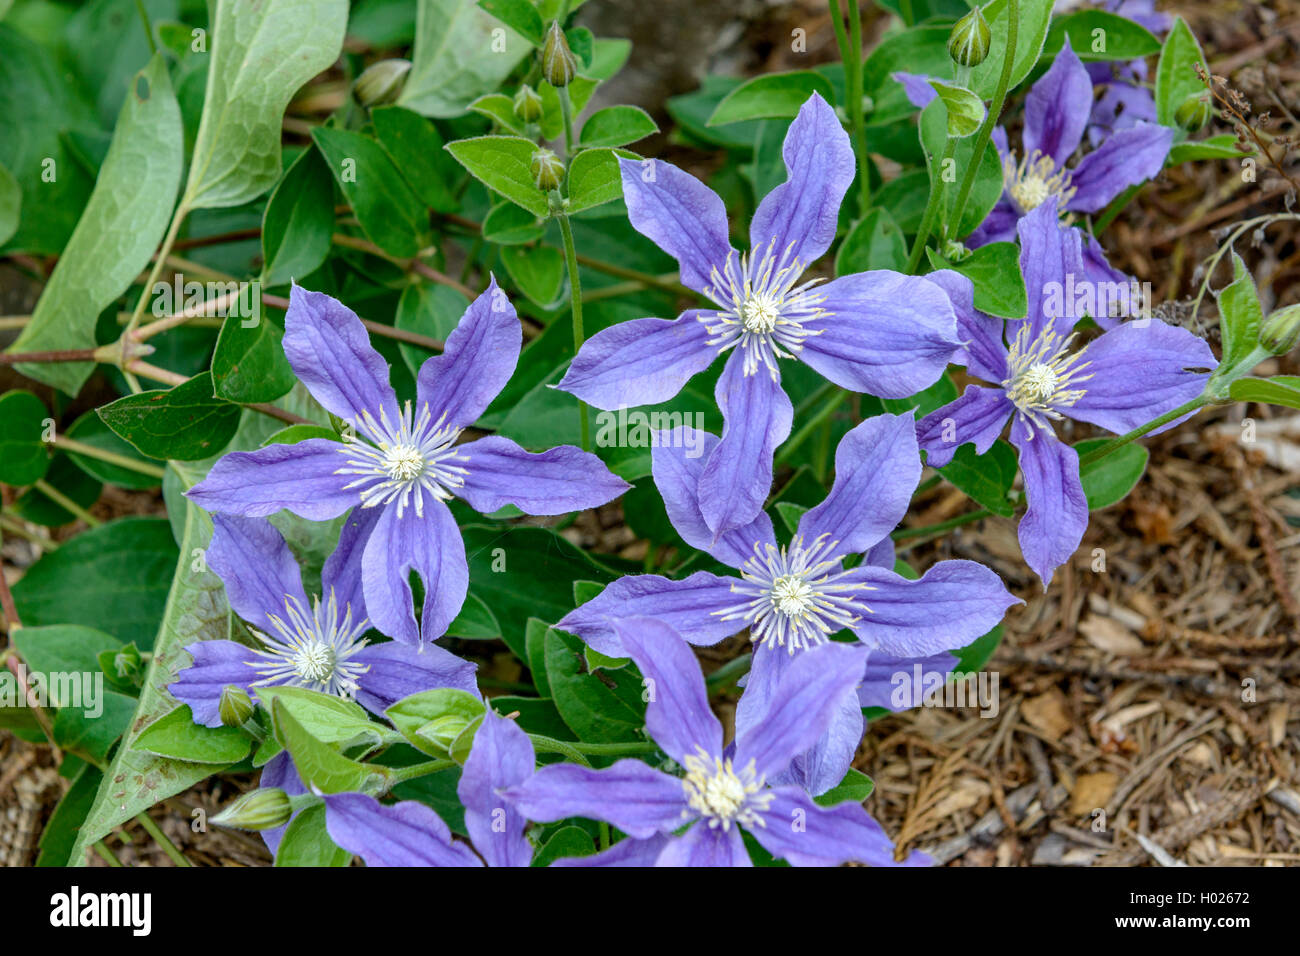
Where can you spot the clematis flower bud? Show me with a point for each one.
(1281, 331)
(381, 82)
(261, 809)
(968, 43)
(558, 65)
(1194, 112)
(547, 170)
(528, 104)
(235, 706)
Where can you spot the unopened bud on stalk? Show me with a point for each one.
(558, 64)
(235, 706)
(1194, 112)
(381, 82)
(968, 43)
(1281, 330)
(528, 104)
(547, 170)
(261, 809)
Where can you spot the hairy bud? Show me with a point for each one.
(1194, 112)
(528, 104)
(558, 64)
(968, 43)
(235, 706)
(1281, 331)
(381, 82)
(547, 170)
(261, 809)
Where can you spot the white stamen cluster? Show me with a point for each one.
(312, 649)
(1034, 179)
(795, 597)
(762, 308)
(1043, 375)
(402, 460)
(722, 796)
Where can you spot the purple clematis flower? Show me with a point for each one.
(405, 463)
(1120, 381)
(411, 834)
(317, 644)
(1125, 99)
(723, 790)
(877, 332)
(794, 597)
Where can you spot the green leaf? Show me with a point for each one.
(520, 15)
(538, 271)
(390, 213)
(457, 57)
(299, 221)
(248, 365)
(596, 709)
(924, 402)
(320, 765)
(1216, 147)
(262, 53)
(594, 178)
(119, 230)
(965, 110)
(24, 457)
(986, 479)
(1035, 16)
(567, 841)
(1111, 478)
(11, 204)
(501, 110)
(1240, 314)
(771, 96)
(329, 719)
(431, 720)
(63, 647)
(37, 507)
(306, 842)
(616, 126)
(502, 163)
(429, 309)
(874, 242)
(509, 225)
(184, 423)
(790, 513)
(856, 787)
(988, 185)
(416, 148)
(293, 434)
(1176, 77)
(86, 581)
(994, 271)
(176, 735)
(1099, 35)
(60, 834)
(90, 429)
(972, 658)
(1278, 390)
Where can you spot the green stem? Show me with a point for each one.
(995, 110)
(933, 529)
(810, 425)
(566, 110)
(729, 672)
(1114, 209)
(161, 839)
(159, 262)
(857, 124)
(63, 501)
(64, 443)
(1115, 444)
(937, 191)
(411, 772)
(575, 299)
(105, 853)
(148, 28)
(549, 745)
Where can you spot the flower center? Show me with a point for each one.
(402, 460)
(1035, 178)
(722, 796)
(797, 596)
(761, 308)
(1042, 375)
(312, 649)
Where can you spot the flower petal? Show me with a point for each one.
(1049, 255)
(1129, 157)
(479, 358)
(1139, 371)
(1057, 108)
(877, 467)
(636, 798)
(949, 606)
(341, 574)
(641, 362)
(1057, 515)
(917, 88)
(501, 757)
(805, 834)
(552, 482)
(302, 478)
(677, 461)
(884, 333)
(404, 834)
(738, 475)
(331, 353)
(432, 545)
(978, 416)
(677, 716)
(690, 607)
(217, 665)
(798, 218)
(257, 568)
(681, 215)
(706, 846)
(998, 226)
(626, 852)
(1101, 275)
(399, 670)
(824, 764)
(982, 351)
(899, 683)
